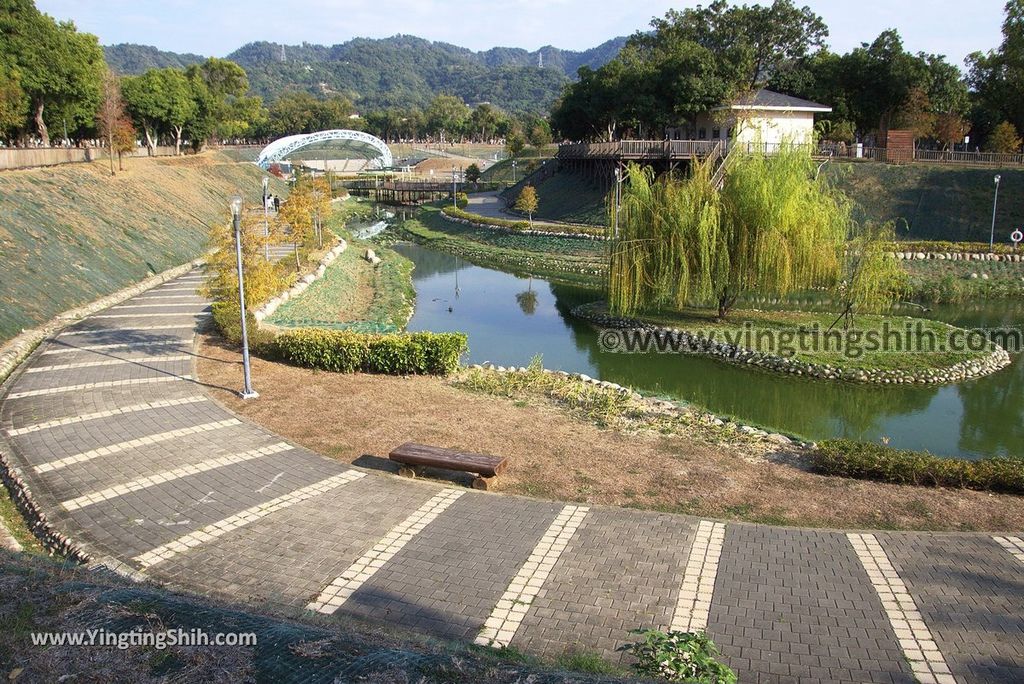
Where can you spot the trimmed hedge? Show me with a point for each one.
(868, 461)
(344, 351)
(485, 220)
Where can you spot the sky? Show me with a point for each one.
(217, 27)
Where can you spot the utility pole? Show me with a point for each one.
(236, 216)
(995, 201)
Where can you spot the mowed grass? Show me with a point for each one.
(71, 234)
(915, 344)
(573, 198)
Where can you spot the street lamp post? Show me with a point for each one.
(236, 219)
(995, 200)
(266, 220)
(455, 201)
(513, 172)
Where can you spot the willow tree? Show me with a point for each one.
(772, 229)
(872, 280)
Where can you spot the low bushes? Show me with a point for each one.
(868, 461)
(394, 354)
(943, 246)
(485, 220)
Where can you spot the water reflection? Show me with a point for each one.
(510, 319)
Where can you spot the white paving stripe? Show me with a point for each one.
(133, 443)
(107, 362)
(120, 345)
(152, 315)
(162, 305)
(357, 574)
(915, 639)
(103, 414)
(210, 532)
(503, 623)
(149, 297)
(694, 603)
(96, 385)
(170, 475)
(143, 328)
(171, 289)
(1015, 545)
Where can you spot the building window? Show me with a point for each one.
(716, 133)
(702, 134)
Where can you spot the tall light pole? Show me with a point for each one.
(236, 219)
(995, 200)
(266, 220)
(455, 201)
(513, 172)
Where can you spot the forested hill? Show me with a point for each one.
(129, 58)
(397, 71)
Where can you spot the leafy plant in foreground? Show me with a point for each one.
(678, 657)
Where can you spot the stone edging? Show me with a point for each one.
(774, 439)
(16, 350)
(269, 307)
(738, 355)
(513, 231)
(956, 256)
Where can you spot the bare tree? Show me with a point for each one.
(110, 115)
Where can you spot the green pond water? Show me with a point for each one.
(509, 319)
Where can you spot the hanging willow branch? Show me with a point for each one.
(772, 229)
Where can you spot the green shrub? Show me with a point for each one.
(869, 461)
(345, 351)
(485, 220)
(228, 321)
(678, 657)
(946, 246)
(461, 200)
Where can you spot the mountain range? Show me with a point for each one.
(400, 71)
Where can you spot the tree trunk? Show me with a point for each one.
(44, 133)
(110, 152)
(725, 303)
(177, 141)
(150, 141)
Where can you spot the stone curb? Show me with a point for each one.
(742, 356)
(270, 306)
(16, 350)
(956, 256)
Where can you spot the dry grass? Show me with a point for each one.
(555, 454)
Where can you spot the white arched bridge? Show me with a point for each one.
(282, 147)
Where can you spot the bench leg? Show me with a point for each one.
(482, 483)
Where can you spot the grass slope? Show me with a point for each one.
(73, 233)
(936, 202)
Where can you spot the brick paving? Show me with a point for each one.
(127, 457)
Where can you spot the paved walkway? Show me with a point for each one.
(127, 456)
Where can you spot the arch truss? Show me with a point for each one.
(282, 147)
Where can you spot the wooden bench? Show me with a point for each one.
(417, 456)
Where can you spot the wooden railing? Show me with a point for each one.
(31, 157)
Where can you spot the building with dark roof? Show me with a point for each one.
(762, 116)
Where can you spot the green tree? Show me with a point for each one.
(526, 202)
(446, 116)
(772, 229)
(473, 173)
(873, 279)
(59, 69)
(515, 143)
(218, 89)
(997, 77)
(484, 122)
(1004, 139)
(161, 101)
(13, 102)
(540, 133)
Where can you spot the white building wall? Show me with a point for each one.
(770, 127)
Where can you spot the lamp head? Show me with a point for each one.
(236, 206)
(998, 177)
